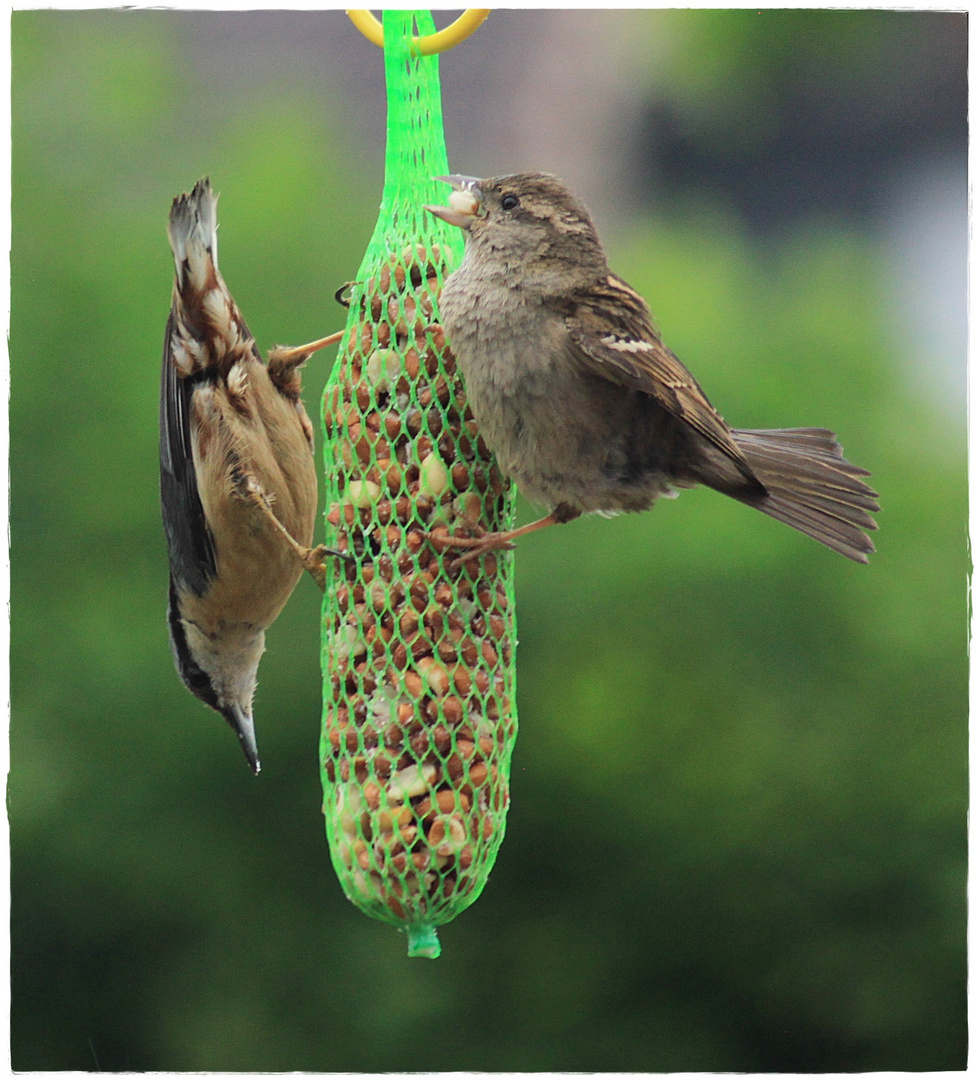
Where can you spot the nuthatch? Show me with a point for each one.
(237, 476)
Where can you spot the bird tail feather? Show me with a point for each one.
(208, 331)
(810, 486)
(193, 236)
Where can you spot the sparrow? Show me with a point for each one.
(580, 400)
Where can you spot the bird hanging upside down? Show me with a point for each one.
(583, 405)
(237, 477)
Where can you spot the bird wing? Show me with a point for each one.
(193, 561)
(613, 337)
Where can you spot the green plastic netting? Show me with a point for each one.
(419, 715)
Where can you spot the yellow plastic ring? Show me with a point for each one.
(370, 26)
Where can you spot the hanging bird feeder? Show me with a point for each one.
(419, 716)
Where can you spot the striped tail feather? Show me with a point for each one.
(192, 232)
(811, 487)
(207, 331)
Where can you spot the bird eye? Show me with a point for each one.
(509, 202)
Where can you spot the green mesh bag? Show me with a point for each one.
(419, 716)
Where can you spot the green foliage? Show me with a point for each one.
(726, 70)
(737, 839)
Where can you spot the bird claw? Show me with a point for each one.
(485, 549)
(314, 560)
(442, 539)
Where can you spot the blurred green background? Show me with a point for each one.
(738, 833)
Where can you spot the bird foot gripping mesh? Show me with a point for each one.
(419, 715)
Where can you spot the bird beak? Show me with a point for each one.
(244, 728)
(463, 203)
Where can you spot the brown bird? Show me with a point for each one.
(237, 477)
(580, 400)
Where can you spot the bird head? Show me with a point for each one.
(529, 218)
(221, 668)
